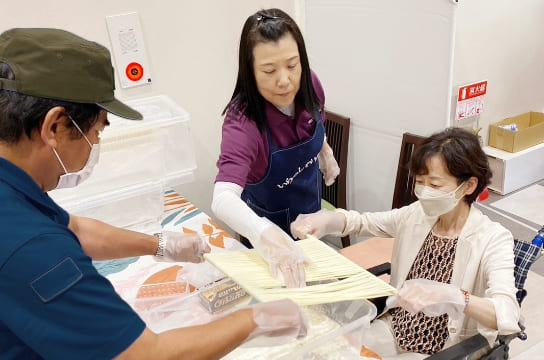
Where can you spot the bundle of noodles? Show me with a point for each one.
(331, 277)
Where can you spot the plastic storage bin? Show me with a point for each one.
(166, 125)
(157, 148)
(138, 207)
(135, 156)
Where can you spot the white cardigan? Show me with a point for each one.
(483, 265)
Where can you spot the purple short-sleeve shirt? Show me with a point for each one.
(244, 149)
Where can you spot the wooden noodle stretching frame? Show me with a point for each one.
(338, 278)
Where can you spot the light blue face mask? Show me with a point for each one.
(69, 180)
(435, 202)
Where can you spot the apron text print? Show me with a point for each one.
(289, 180)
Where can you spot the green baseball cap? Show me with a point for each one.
(56, 64)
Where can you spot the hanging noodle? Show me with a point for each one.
(338, 277)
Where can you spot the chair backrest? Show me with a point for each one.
(404, 184)
(337, 131)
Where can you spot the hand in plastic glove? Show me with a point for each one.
(282, 255)
(433, 298)
(328, 165)
(178, 246)
(318, 224)
(277, 323)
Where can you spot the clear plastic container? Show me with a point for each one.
(154, 302)
(353, 318)
(138, 160)
(335, 331)
(158, 148)
(138, 207)
(167, 125)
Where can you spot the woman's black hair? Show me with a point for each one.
(267, 26)
(462, 154)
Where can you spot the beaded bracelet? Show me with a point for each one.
(467, 297)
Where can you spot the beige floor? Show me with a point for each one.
(531, 310)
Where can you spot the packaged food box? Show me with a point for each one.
(222, 296)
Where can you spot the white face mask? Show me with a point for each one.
(69, 180)
(435, 202)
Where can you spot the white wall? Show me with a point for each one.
(501, 41)
(387, 65)
(192, 48)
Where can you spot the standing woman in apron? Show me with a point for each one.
(273, 145)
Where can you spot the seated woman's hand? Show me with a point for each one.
(433, 298)
(318, 224)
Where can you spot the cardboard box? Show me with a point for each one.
(512, 171)
(530, 132)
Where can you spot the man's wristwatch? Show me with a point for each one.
(162, 244)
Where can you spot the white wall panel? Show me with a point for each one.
(387, 65)
(370, 179)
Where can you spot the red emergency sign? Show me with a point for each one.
(471, 91)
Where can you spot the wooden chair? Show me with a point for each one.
(334, 196)
(404, 184)
(337, 131)
(403, 194)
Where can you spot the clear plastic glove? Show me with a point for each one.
(277, 322)
(328, 165)
(282, 255)
(318, 224)
(183, 247)
(433, 298)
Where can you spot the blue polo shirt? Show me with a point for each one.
(53, 302)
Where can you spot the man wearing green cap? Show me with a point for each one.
(55, 92)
